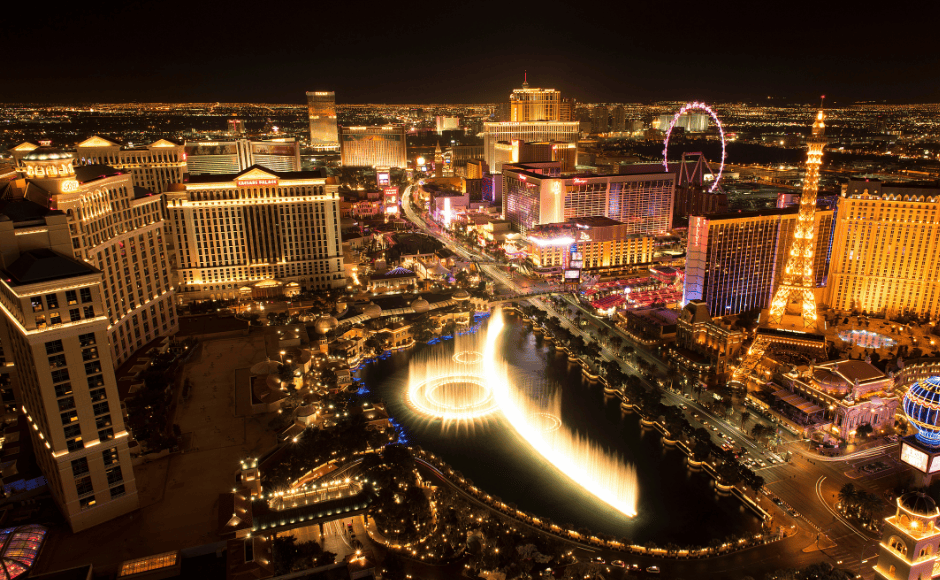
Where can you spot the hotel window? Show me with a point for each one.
(63, 389)
(73, 438)
(71, 297)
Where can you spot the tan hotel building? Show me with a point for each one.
(152, 166)
(54, 330)
(115, 227)
(232, 232)
(886, 251)
(381, 146)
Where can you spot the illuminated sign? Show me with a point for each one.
(69, 185)
(45, 142)
(253, 182)
(572, 274)
(382, 177)
(935, 464)
(915, 458)
(580, 181)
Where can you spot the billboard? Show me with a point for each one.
(573, 275)
(273, 149)
(915, 458)
(382, 178)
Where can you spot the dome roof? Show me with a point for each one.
(373, 310)
(922, 407)
(19, 547)
(420, 305)
(325, 323)
(831, 382)
(918, 503)
(461, 295)
(46, 154)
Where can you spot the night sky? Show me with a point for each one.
(457, 52)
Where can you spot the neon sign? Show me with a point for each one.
(69, 185)
(253, 182)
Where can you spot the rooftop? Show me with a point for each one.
(87, 173)
(222, 178)
(23, 210)
(42, 265)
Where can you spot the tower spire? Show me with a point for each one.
(525, 79)
(798, 283)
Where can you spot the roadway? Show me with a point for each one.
(808, 484)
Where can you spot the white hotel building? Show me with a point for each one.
(232, 232)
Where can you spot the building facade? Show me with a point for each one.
(698, 332)
(886, 250)
(642, 199)
(154, 166)
(231, 231)
(226, 157)
(526, 132)
(55, 333)
(116, 227)
(734, 260)
(321, 112)
(910, 542)
(598, 243)
(534, 104)
(374, 146)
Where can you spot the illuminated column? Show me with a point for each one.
(798, 282)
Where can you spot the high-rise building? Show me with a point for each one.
(153, 166)
(798, 285)
(735, 260)
(620, 116)
(886, 250)
(529, 132)
(566, 110)
(236, 126)
(235, 234)
(116, 227)
(534, 104)
(476, 169)
(321, 112)
(446, 123)
(382, 145)
(54, 331)
(600, 119)
(640, 196)
(225, 157)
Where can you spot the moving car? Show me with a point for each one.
(653, 570)
(618, 564)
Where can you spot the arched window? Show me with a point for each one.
(897, 545)
(926, 551)
(891, 571)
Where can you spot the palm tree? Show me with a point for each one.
(848, 495)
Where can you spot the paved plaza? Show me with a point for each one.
(179, 493)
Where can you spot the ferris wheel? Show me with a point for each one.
(695, 105)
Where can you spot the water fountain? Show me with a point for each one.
(473, 385)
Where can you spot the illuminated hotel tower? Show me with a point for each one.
(54, 328)
(321, 112)
(116, 227)
(527, 104)
(798, 285)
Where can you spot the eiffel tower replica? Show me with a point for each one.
(791, 321)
